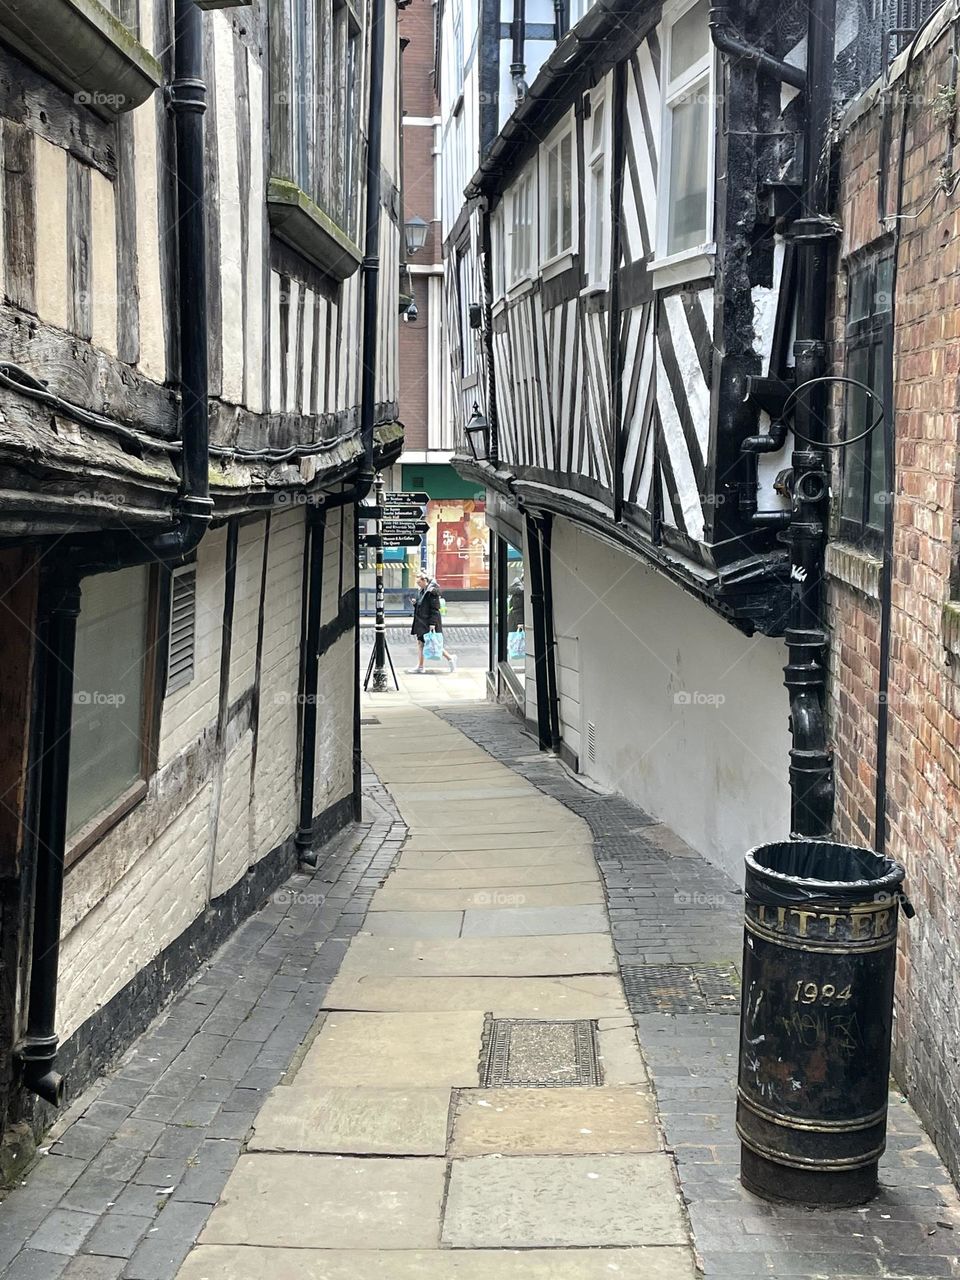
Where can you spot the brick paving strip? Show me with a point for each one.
(360, 1084)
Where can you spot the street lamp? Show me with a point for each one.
(415, 234)
(478, 435)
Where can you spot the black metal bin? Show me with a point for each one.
(819, 962)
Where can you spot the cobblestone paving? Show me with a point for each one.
(668, 905)
(136, 1164)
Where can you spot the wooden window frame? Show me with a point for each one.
(316, 64)
(154, 675)
(565, 131)
(671, 91)
(526, 185)
(597, 246)
(872, 333)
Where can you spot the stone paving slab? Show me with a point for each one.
(476, 900)
(578, 1121)
(414, 924)
(562, 1201)
(584, 872)
(480, 957)
(584, 996)
(446, 855)
(522, 920)
(620, 1057)
(546, 842)
(353, 1121)
(226, 1262)
(330, 1202)
(406, 1050)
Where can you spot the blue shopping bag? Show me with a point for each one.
(433, 646)
(516, 645)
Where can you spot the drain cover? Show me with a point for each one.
(369, 720)
(527, 1053)
(682, 988)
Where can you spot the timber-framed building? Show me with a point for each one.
(197, 378)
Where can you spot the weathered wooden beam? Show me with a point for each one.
(80, 373)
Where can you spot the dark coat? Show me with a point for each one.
(426, 611)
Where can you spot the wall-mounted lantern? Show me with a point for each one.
(415, 234)
(478, 435)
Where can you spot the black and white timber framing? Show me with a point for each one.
(623, 404)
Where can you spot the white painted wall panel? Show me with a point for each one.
(680, 699)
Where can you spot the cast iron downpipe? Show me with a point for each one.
(727, 41)
(813, 234)
(106, 552)
(370, 274)
(518, 67)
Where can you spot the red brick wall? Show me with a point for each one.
(923, 804)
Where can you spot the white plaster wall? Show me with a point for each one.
(713, 764)
(145, 882)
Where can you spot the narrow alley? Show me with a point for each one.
(423, 1061)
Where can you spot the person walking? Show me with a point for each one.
(427, 617)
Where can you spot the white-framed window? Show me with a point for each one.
(686, 160)
(557, 190)
(597, 231)
(522, 199)
(497, 249)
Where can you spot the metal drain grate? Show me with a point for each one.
(526, 1053)
(369, 720)
(682, 988)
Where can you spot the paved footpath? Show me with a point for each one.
(422, 1061)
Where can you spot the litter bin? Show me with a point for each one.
(820, 934)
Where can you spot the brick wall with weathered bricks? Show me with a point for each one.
(923, 798)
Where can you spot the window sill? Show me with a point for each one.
(681, 268)
(295, 219)
(84, 48)
(855, 568)
(557, 265)
(593, 290)
(97, 827)
(522, 286)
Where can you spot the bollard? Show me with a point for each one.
(820, 934)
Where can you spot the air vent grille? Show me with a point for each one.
(183, 627)
(591, 742)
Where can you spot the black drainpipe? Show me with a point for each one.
(106, 552)
(370, 271)
(813, 234)
(316, 530)
(518, 67)
(553, 693)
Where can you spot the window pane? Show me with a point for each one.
(689, 39)
(597, 135)
(106, 748)
(876, 441)
(689, 133)
(858, 304)
(854, 456)
(883, 302)
(553, 202)
(566, 193)
(597, 219)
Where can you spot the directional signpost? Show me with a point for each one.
(398, 522)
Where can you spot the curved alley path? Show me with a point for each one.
(492, 1035)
